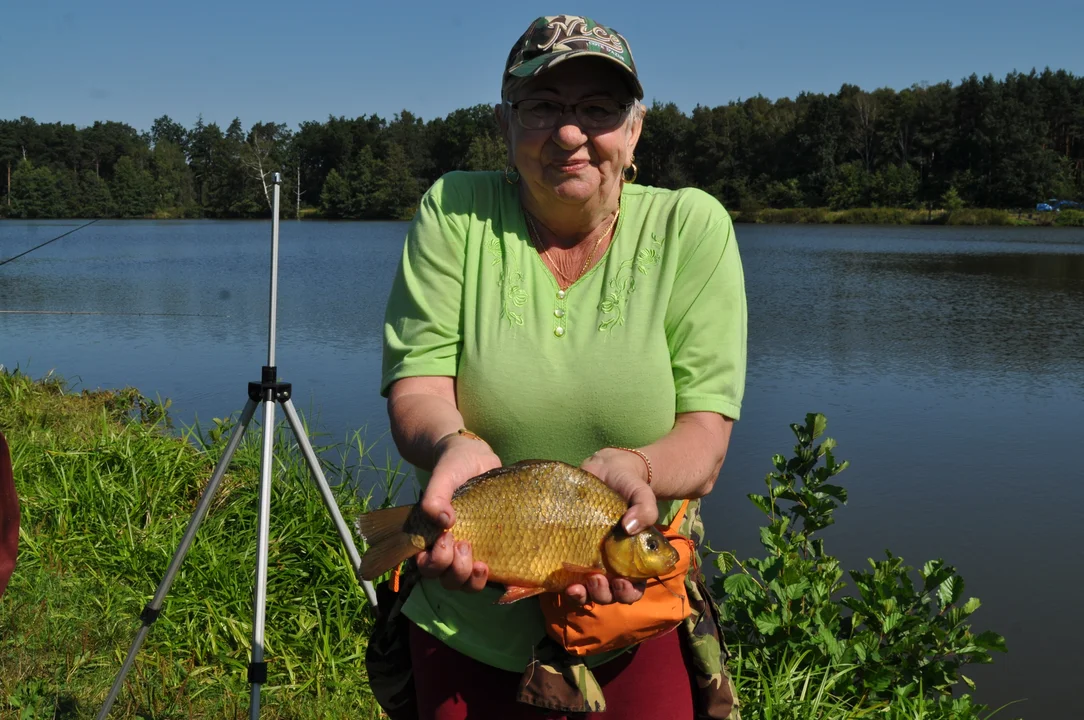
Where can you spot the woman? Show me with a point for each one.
(559, 311)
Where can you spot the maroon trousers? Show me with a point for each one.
(9, 516)
(652, 681)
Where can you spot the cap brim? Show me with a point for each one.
(538, 65)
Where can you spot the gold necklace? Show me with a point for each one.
(537, 239)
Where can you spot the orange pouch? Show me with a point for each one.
(594, 629)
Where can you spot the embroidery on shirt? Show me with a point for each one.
(494, 247)
(513, 294)
(514, 297)
(623, 283)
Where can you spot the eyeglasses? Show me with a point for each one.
(598, 114)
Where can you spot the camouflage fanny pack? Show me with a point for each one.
(555, 679)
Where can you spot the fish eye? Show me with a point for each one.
(652, 544)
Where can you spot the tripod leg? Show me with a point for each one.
(329, 499)
(257, 669)
(150, 612)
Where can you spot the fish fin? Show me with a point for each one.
(513, 593)
(379, 525)
(583, 569)
(389, 543)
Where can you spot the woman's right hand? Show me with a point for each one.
(459, 458)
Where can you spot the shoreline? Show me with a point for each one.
(973, 217)
(966, 217)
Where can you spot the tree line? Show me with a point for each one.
(982, 142)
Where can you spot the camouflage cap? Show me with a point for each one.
(555, 38)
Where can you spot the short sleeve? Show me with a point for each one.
(422, 322)
(706, 319)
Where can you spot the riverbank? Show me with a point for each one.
(106, 493)
(904, 216)
(107, 490)
(796, 216)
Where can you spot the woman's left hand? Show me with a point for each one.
(626, 473)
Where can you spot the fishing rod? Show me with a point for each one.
(85, 312)
(102, 312)
(38, 247)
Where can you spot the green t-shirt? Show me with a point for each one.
(657, 327)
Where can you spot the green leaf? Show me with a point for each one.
(934, 573)
(971, 606)
(725, 561)
(891, 621)
(796, 590)
(767, 624)
(946, 591)
(742, 585)
(820, 423)
(771, 569)
(990, 640)
(779, 462)
(761, 502)
(769, 538)
(835, 491)
(968, 681)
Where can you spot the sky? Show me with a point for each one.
(132, 61)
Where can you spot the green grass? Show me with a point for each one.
(792, 688)
(106, 494)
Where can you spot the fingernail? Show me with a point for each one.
(445, 519)
(476, 573)
(462, 548)
(632, 525)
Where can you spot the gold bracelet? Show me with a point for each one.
(642, 457)
(462, 432)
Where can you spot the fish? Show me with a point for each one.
(539, 525)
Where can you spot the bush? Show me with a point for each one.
(898, 638)
(874, 216)
(980, 216)
(790, 216)
(1070, 218)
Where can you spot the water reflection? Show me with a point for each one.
(916, 314)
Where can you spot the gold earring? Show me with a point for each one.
(511, 175)
(635, 173)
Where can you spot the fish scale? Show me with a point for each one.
(530, 522)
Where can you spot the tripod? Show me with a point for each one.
(268, 391)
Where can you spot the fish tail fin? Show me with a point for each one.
(389, 542)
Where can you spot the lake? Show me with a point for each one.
(949, 362)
